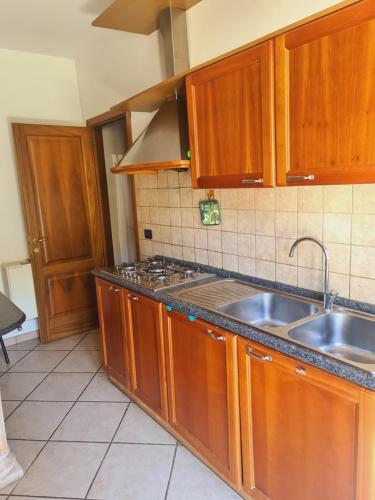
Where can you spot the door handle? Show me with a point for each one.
(132, 297)
(112, 289)
(296, 178)
(250, 352)
(252, 181)
(211, 334)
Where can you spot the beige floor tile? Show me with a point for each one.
(14, 358)
(26, 452)
(91, 422)
(9, 407)
(35, 498)
(17, 386)
(192, 480)
(66, 344)
(27, 345)
(63, 470)
(61, 387)
(90, 343)
(101, 389)
(39, 361)
(145, 475)
(81, 361)
(36, 420)
(138, 427)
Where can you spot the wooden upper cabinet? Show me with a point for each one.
(113, 331)
(147, 361)
(230, 108)
(325, 99)
(203, 391)
(306, 434)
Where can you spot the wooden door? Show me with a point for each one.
(325, 99)
(303, 430)
(60, 199)
(113, 330)
(203, 391)
(147, 360)
(231, 126)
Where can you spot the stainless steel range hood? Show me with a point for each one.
(164, 143)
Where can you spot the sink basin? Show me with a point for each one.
(269, 310)
(339, 334)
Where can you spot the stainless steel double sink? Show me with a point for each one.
(342, 334)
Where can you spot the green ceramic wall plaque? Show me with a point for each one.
(210, 212)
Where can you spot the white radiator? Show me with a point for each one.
(19, 286)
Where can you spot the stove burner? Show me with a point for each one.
(162, 278)
(188, 273)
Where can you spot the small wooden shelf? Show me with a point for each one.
(151, 168)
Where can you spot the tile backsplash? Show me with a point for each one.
(258, 227)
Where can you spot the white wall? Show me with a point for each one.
(217, 26)
(38, 89)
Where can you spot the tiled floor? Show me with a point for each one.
(77, 436)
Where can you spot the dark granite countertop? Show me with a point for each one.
(10, 316)
(344, 370)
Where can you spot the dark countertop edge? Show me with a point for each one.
(344, 370)
(14, 322)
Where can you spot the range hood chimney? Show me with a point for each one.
(164, 142)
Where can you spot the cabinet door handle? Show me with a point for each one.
(132, 297)
(250, 352)
(252, 181)
(113, 289)
(211, 334)
(301, 370)
(296, 178)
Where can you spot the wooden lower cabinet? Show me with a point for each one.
(305, 434)
(146, 347)
(113, 331)
(203, 391)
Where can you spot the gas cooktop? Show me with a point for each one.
(157, 274)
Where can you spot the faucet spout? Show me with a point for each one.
(328, 297)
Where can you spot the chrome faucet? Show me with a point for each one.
(329, 296)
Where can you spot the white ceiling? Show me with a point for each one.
(53, 27)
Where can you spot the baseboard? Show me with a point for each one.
(21, 337)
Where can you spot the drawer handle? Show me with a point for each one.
(211, 334)
(112, 289)
(301, 370)
(250, 352)
(132, 297)
(252, 181)
(296, 178)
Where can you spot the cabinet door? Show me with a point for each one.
(302, 430)
(230, 107)
(148, 380)
(113, 331)
(325, 99)
(203, 391)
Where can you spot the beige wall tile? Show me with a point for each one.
(245, 199)
(246, 221)
(363, 262)
(197, 219)
(310, 224)
(363, 230)
(286, 224)
(174, 197)
(265, 247)
(282, 252)
(265, 223)
(143, 214)
(176, 235)
(198, 196)
(228, 198)
(286, 199)
(339, 257)
(362, 289)
(230, 262)
(177, 252)
(338, 199)
(339, 283)
(337, 228)
(246, 266)
(286, 274)
(214, 241)
(264, 199)
(164, 216)
(162, 179)
(201, 256)
(156, 248)
(187, 237)
(186, 197)
(155, 228)
(187, 219)
(145, 247)
(154, 215)
(152, 181)
(229, 242)
(173, 180)
(229, 220)
(175, 214)
(364, 198)
(310, 279)
(200, 238)
(188, 254)
(246, 245)
(215, 259)
(310, 198)
(166, 249)
(165, 234)
(163, 197)
(184, 178)
(265, 270)
(310, 255)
